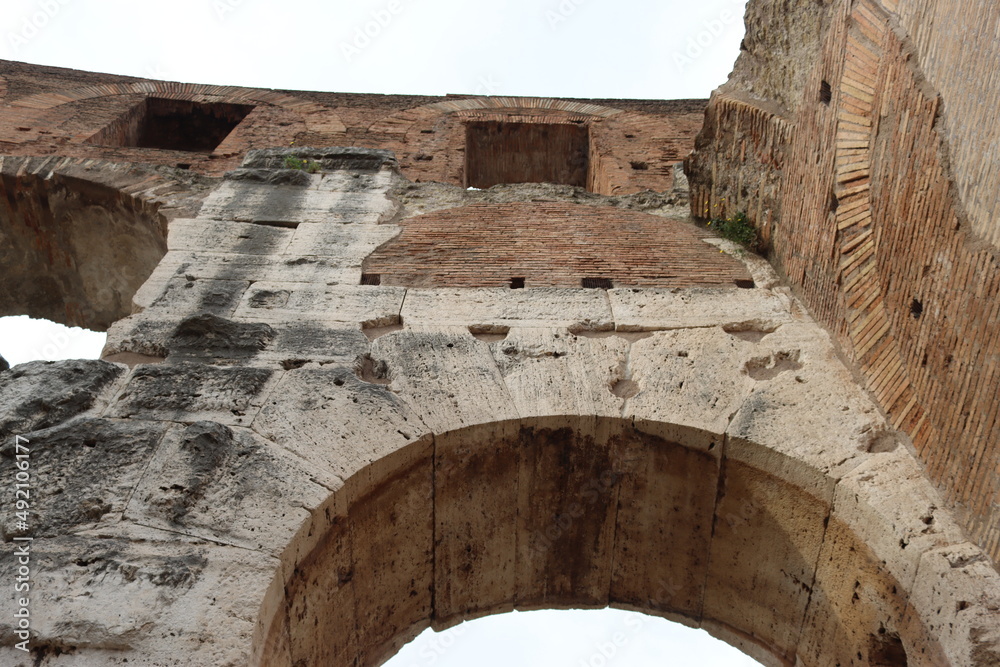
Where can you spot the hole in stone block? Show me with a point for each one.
(517, 283)
(499, 152)
(744, 284)
(177, 125)
(371, 278)
(489, 332)
(825, 92)
(886, 650)
(916, 308)
(639, 165)
(596, 283)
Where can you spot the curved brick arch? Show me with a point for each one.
(58, 215)
(400, 122)
(188, 91)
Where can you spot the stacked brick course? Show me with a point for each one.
(48, 111)
(550, 245)
(868, 225)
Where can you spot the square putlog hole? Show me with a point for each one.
(498, 152)
(176, 125)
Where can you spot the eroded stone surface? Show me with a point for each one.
(189, 391)
(225, 484)
(82, 472)
(40, 394)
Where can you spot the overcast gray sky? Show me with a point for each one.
(645, 49)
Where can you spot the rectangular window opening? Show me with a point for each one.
(596, 283)
(517, 283)
(176, 125)
(500, 152)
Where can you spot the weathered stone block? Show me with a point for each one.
(580, 310)
(82, 473)
(226, 485)
(40, 394)
(187, 391)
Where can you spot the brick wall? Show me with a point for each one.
(550, 245)
(872, 231)
(50, 111)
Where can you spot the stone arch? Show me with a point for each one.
(81, 236)
(738, 537)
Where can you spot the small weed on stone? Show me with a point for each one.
(310, 166)
(738, 229)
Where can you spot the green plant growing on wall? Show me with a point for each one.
(310, 166)
(738, 229)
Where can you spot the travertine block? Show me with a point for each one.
(686, 383)
(226, 485)
(579, 310)
(553, 372)
(189, 392)
(955, 602)
(335, 422)
(449, 379)
(650, 309)
(280, 302)
(345, 245)
(239, 238)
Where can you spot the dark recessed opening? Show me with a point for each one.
(499, 152)
(371, 278)
(744, 284)
(426, 131)
(517, 283)
(834, 203)
(916, 308)
(885, 649)
(825, 92)
(639, 166)
(596, 283)
(177, 125)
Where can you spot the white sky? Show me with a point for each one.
(643, 49)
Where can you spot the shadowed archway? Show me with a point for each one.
(584, 512)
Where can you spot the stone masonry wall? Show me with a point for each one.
(275, 465)
(883, 220)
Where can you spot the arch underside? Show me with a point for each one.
(584, 512)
